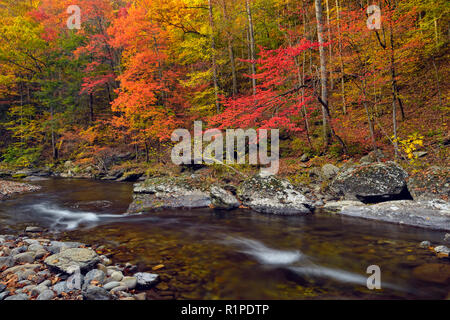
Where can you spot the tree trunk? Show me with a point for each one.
(230, 50)
(251, 42)
(323, 72)
(341, 61)
(213, 58)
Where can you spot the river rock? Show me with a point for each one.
(442, 249)
(129, 282)
(116, 276)
(269, 194)
(2, 287)
(97, 293)
(94, 275)
(406, 212)
(337, 206)
(146, 280)
(58, 246)
(433, 272)
(20, 296)
(46, 295)
(111, 285)
(372, 183)
(433, 183)
(222, 199)
(425, 244)
(159, 193)
(64, 261)
(33, 229)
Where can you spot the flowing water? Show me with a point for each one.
(234, 255)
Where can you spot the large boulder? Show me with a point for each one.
(433, 183)
(166, 192)
(65, 261)
(431, 214)
(372, 183)
(222, 199)
(269, 194)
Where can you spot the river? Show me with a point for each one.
(233, 255)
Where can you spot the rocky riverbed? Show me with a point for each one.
(33, 267)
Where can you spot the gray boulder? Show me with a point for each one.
(268, 194)
(46, 295)
(222, 199)
(97, 293)
(405, 212)
(433, 183)
(146, 280)
(329, 171)
(159, 193)
(372, 183)
(94, 275)
(65, 261)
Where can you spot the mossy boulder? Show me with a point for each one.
(269, 194)
(431, 184)
(372, 183)
(167, 193)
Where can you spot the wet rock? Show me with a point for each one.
(83, 258)
(32, 229)
(159, 193)
(268, 194)
(119, 289)
(337, 206)
(26, 257)
(129, 282)
(35, 247)
(433, 272)
(146, 280)
(131, 176)
(58, 246)
(406, 212)
(425, 244)
(97, 293)
(6, 262)
(3, 295)
(372, 183)
(2, 287)
(35, 179)
(329, 171)
(433, 183)
(21, 268)
(20, 296)
(111, 285)
(116, 276)
(46, 295)
(95, 275)
(442, 249)
(222, 199)
(447, 237)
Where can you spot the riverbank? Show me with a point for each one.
(34, 267)
(381, 191)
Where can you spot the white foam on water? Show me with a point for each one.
(266, 255)
(71, 220)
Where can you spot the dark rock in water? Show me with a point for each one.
(158, 193)
(64, 261)
(222, 199)
(372, 183)
(131, 176)
(34, 229)
(146, 280)
(34, 179)
(97, 293)
(433, 215)
(113, 175)
(433, 183)
(433, 272)
(268, 194)
(425, 244)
